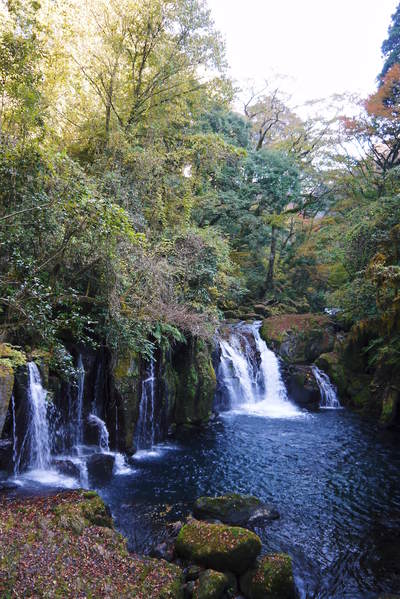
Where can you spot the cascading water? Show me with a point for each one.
(15, 438)
(147, 432)
(249, 374)
(329, 398)
(79, 403)
(38, 432)
(104, 437)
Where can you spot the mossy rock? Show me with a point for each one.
(234, 509)
(90, 511)
(298, 338)
(210, 585)
(6, 388)
(127, 385)
(331, 363)
(195, 383)
(218, 546)
(271, 578)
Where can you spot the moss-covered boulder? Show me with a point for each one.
(271, 578)
(218, 546)
(299, 338)
(210, 585)
(235, 509)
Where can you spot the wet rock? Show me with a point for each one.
(210, 585)
(235, 509)
(302, 387)
(270, 578)
(192, 572)
(189, 589)
(67, 467)
(6, 485)
(100, 468)
(6, 387)
(163, 551)
(6, 455)
(218, 546)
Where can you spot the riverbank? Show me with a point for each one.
(64, 546)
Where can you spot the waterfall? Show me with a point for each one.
(329, 397)
(249, 374)
(147, 432)
(104, 437)
(15, 438)
(79, 403)
(38, 430)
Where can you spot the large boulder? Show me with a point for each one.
(218, 546)
(270, 578)
(302, 386)
(100, 468)
(299, 338)
(234, 509)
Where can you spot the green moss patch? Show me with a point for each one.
(218, 546)
(271, 578)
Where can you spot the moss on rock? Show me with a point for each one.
(218, 546)
(127, 384)
(298, 338)
(195, 383)
(271, 578)
(210, 585)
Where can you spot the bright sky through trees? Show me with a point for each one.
(324, 47)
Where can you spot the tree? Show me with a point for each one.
(391, 46)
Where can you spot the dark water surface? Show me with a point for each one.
(334, 479)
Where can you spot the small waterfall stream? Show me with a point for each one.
(38, 432)
(329, 397)
(79, 403)
(104, 437)
(147, 430)
(249, 374)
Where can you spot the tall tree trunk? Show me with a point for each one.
(272, 256)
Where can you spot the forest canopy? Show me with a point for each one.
(138, 206)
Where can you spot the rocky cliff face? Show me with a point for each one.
(111, 388)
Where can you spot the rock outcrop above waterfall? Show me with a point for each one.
(218, 546)
(299, 338)
(64, 546)
(234, 509)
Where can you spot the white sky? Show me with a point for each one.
(324, 47)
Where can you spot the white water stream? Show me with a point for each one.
(251, 376)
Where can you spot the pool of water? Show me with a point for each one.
(334, 479)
